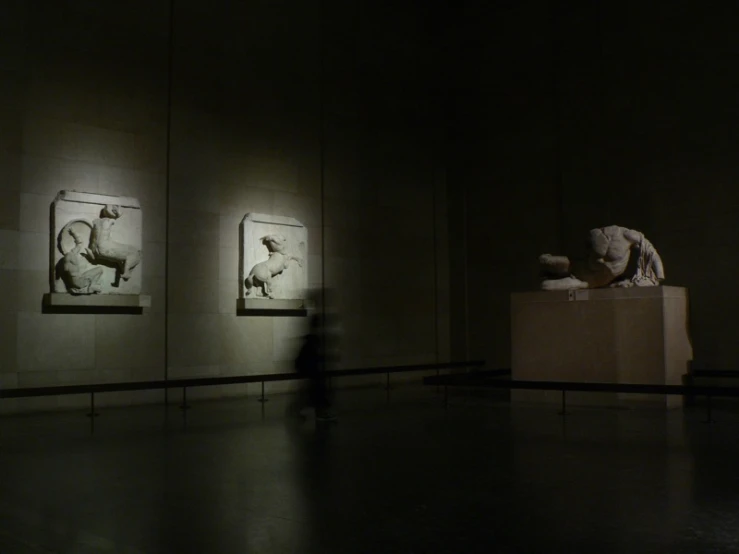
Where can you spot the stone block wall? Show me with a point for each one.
(276, 108)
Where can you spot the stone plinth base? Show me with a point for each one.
(270, 306)
(635, 335)
(98, 300)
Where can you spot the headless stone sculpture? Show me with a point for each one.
(78, 279)
(607, 264)
(260, 279)
(124, 256)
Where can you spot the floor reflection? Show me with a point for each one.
(402, 475)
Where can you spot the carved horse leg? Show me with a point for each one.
(132, 260)
(253, 287)
(126, 269)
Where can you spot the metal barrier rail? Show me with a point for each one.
(184, 384)
(478, 379)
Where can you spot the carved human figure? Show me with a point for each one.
(104, 248)
(78, 279)
(607, 263)
(260, 279)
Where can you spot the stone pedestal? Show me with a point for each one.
(102, 301)
(635, 335)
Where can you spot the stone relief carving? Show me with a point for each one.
(273, 258)
(76, 271)
(104, 249)
(609, 263)
(259, 281)
(98, 244)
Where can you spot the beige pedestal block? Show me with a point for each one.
(635, 335)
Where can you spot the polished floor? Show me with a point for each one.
(397, 474)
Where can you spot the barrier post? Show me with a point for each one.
(92, 412)
(184, 405)
(263, 398)
(564, 403)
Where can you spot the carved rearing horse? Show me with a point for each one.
(261, 275)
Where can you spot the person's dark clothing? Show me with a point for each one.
(310, 364)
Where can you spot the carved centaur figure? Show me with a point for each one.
(259, 281)
(102, 246)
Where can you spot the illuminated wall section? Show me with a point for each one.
(82, 109)
(251, 121)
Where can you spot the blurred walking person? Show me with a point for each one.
(314, 356)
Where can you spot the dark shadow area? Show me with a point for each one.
(271, 313)
(129, 310)
(398, 478)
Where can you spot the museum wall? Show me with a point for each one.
(596, 115)
(330, 117)
(83, 108)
